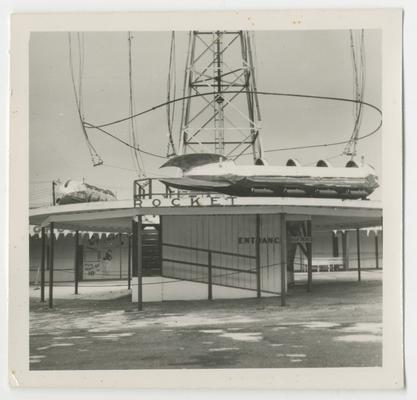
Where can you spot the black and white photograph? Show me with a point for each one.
(212, 198)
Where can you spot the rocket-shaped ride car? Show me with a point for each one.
(206, 172)
(80, 192)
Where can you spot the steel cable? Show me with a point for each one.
(264, 93)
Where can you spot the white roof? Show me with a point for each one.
(116, 216)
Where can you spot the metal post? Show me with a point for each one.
(150, 188)
(139, 262)
(135, 251)
(77, 262)
(376, 250)
(137, 255)
(160, 246)
(258, 256)
(129, 262)
(120, 255)
(134, 248)
(210, 277)
(283, 259)
(345, 250)
(309, 258)
(53, 193)
(43, 259)
(358, 247)
(335, 243)
(135, 192)
(51, 264)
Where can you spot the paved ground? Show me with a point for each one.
(337, 325)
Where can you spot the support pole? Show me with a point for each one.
(53, 193)
(335, 244)
(140, 263)
(77, 262)
(137, 255)
(284, 259)
(129, 262)
(43, 260)
(135, 249)
(160, 245)
(258, 256)
(210, 277)
(309, 258)
(51, 264)
(376, 251)
(358, 247)
(345, 250)
(120, 255)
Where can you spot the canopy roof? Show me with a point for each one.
(116, 216)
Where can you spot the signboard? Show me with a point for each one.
(185, 201)
(91, 268)
(262, 240)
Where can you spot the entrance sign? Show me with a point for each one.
(253, 239)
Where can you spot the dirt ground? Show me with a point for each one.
(338, 324)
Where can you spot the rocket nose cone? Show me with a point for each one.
(372, 180)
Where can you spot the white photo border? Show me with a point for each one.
(390, 375)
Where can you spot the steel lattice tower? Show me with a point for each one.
(221, 113)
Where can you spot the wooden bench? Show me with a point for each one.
(327, 262)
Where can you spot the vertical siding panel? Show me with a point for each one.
(239, 261)
(165, 250)
(206, 245)
(244, 249)
(220, 226)
(270, 254)
(264, 233)
(191, 254)
(212, 244)
(223, 246)
(215, 240)
(264, 249)
(221, 229)
(199, 244)
(171, 250)
(227, 246)
(270, 272)
(251, 248)
(221, 233)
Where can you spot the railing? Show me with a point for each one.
(210, 266)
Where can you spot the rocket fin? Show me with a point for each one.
(189, 161)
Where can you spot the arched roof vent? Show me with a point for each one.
(261, 161)
(293, 162)
(323, 163)
(351, 164)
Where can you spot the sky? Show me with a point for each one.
(302, 62)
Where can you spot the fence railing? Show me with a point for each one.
(210, 266)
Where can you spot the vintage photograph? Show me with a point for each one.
(253, 234)
(206, 199)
